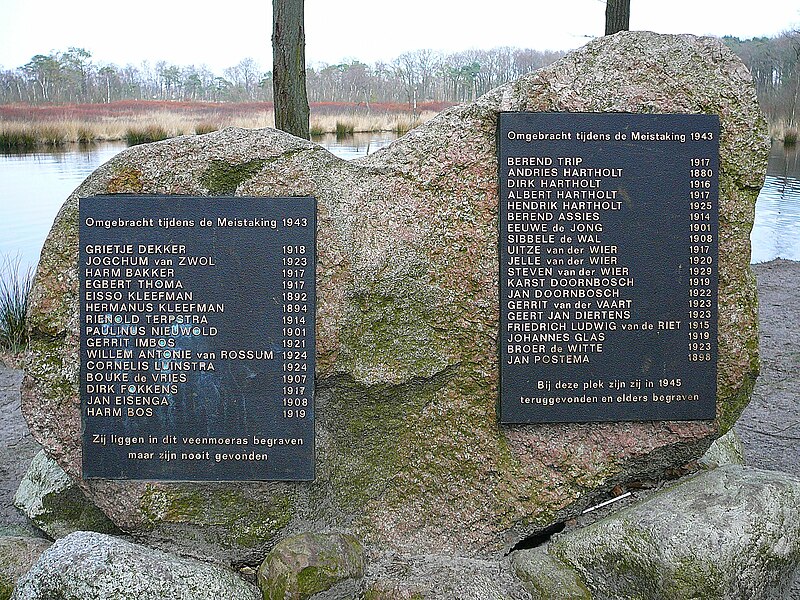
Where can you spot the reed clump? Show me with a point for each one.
(403, 126)
(344, 128)
(316, 130)
(786, 132)
(17, 140)
(50, 135)
(139, 122)
(348, 124)
(205, 127)
(15, 288)
(86, 135)
(145, 135)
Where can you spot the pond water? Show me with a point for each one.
(33, 187)
(776, 231)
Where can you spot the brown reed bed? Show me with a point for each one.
(25, 128)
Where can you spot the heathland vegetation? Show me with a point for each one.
(69, 96)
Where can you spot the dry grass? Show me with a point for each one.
(23, 128)
(344, 124)
(114, 129)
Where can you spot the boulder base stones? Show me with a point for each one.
(301, 566)
(726, 450)
(437, 576)
(55, 503)
(727, 533)
(410, 456)
(17, 555)
(93, 566)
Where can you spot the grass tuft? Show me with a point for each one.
(344, 128)
(403, 126)
(145, 135)
(15, 288)
(50, 135)
(784, 131)
(86, 135)
(205, 127)
(20, 140)
(27, 128)
(316, 130)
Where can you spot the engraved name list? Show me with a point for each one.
(608, 266)
(197, 337)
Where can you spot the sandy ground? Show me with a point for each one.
(770, 425)
(17, 446)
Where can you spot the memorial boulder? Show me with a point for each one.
(410, 455)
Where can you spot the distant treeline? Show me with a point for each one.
(775, 65)
(423, 75)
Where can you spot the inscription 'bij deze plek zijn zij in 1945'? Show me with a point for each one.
(197, 337)
(608, 266)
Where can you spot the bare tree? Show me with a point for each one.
(618, 16)
(416, 70)
(289, 67)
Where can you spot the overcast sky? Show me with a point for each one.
(221, 33)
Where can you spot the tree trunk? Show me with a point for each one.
(618, 16)
(289, 67)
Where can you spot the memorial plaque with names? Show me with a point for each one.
(197, 337)
(608, 266)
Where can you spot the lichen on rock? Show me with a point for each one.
(57, 506)
(94, 566)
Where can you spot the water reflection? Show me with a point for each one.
(776, 231)
(354, 146)
(33, 187)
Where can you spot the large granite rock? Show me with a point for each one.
(94, 566)
(731, 532)
(410, 455)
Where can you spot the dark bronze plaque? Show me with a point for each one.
(197, 337)
(608, 266)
